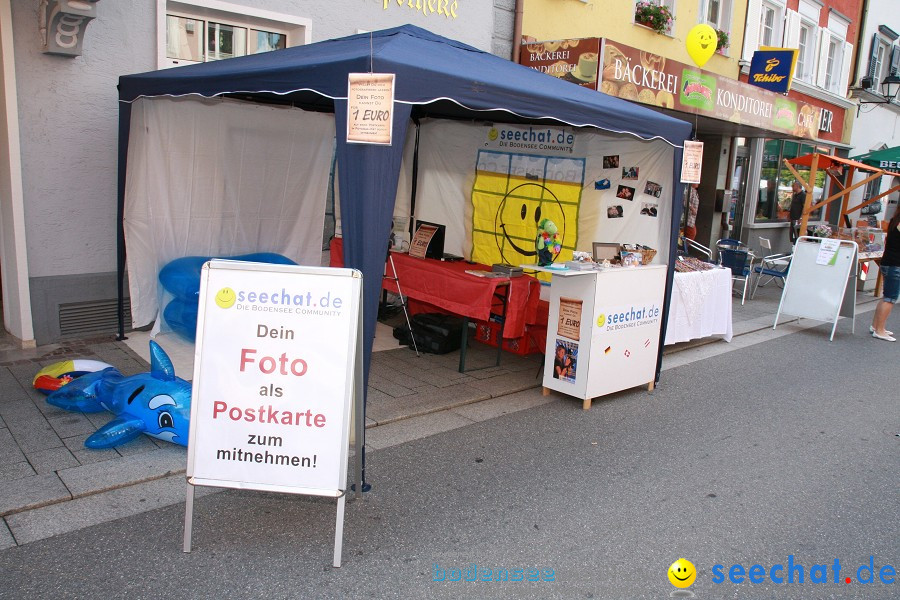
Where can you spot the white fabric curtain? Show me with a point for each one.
(221, 178)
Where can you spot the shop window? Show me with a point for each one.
(770, 207)
(774, 202)
(203, 31)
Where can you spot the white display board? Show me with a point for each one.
(818, 283)
(607, 323)
(273, 377)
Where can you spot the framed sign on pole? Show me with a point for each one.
(275, 378)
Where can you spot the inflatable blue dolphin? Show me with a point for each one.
(156, 403)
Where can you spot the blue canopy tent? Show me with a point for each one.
(435, 77)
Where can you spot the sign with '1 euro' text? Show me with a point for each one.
(273, 379)
(370, 108)
(691, 162)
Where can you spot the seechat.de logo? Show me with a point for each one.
(225, 297)
(682, 573)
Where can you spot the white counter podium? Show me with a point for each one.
(603, 329)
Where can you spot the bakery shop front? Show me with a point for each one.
(746, 130)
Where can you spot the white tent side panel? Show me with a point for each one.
(221, 178)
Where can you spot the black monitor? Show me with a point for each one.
(435, 247)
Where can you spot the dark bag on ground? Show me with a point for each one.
(435, 332)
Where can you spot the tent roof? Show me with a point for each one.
(874, 158)
(440, 76)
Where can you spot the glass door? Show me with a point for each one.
(739, 187)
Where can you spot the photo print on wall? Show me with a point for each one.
(630, 173)
(624, 192)
(653, 189)
(611, 161)
(649, 209)
(614, 212)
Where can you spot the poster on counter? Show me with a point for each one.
(569, 318)
(274, 377)
(565, 361)
(691, 162)
(370, 108)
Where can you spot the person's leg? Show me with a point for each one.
(882, 311)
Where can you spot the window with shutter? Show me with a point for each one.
(751, 35)
(822, 62)
(895, 60)
(876, 58)
(844, 79)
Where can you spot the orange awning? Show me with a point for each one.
(827, 161)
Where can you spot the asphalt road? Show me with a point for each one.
(786, 451)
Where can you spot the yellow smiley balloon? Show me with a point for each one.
(701, 43)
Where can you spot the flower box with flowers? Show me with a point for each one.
(654, 16)
(722, 41)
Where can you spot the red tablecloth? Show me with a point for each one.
(445, 284)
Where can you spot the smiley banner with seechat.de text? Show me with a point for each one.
(524, 175)
(273, 379)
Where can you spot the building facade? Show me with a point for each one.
(877, 124)
(59, 120)
(825, 35)
(746, 131)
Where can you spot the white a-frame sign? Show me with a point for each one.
(277, 368)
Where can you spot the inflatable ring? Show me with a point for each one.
(52, 377)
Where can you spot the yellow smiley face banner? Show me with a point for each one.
(515, 189)
(701, 43)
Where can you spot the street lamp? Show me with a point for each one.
(889, 88)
